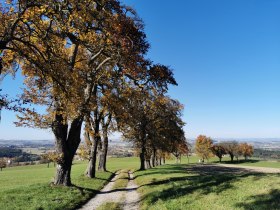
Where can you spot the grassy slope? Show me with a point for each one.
(27, 187)
(172, 187)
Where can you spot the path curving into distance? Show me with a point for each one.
(128, 198)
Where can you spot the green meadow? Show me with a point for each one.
(172, 186)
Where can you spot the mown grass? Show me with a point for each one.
(28, 187)
(122, 180)
(184, 187)
(110, 206)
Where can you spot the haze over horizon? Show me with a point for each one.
(226, 60)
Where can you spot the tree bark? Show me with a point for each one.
(142, 159)
(154, 157)
(104, 151)
(103, 155)
(148, 164)
(143, 148)
(67, 143)
(91, 169)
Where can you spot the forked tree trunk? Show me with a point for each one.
(67, 143)
(163, 159)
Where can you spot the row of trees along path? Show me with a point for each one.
(85, 63)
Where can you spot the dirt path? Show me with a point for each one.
(254, 168)
(132, 196)
(106, 195)
(229, 168)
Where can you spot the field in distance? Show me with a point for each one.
(173, 186)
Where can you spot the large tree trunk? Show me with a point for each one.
(143, 149)
(67, 143)
(103, 155)
(91, 169)
(148, 164)
(154, 157)
(104, 151)
(142, 159)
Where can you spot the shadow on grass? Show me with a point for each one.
(167, 169)
(270, 201)
(89, 193)
(202, 179)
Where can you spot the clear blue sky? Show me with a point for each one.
(226, 59)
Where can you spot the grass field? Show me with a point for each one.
(166, 187)
(182, 187)
(28, 187)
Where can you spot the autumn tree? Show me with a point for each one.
(83, 152)
(45, 159)
(152, 122)
(63, 48)
(203, 145)
(246, 150)
(231, 148)
(51, 156)
(219, 151)
(181, 148)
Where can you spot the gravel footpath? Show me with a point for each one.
(132, 196)
(106, 195)
(254, 168)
